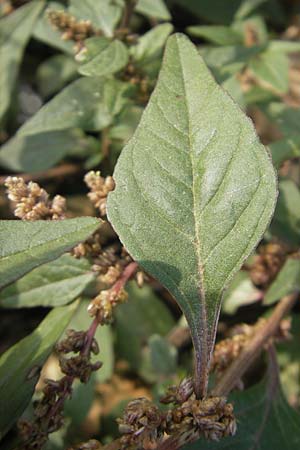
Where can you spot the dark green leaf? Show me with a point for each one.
(15, 31)
(286, 220)
(286, 282)
(20, 365)
(285, 149)
(149, 316)
(54, 73)
(37, 243)
(195, 190)
(54, 284)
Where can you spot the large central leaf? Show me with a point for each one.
(195, 191)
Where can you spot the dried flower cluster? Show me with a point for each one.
(48, 411)
(99, 189)
(32, 202)
(144, 425)
(71, 28)
(103, 304)
(267, 264)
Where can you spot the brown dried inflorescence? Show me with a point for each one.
(71, 28)
(144, 425)
(141, 426)
(267, 264)
(99, 189)
(31, 202)
(48, 411)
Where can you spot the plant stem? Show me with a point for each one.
(128, 11)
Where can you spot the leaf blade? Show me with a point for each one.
(16, 385)
(195, 209)
(38, 242)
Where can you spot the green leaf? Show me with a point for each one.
(15, 31)
(54, 73)
(284, 46)
(285, 117)
(265, 420)
(286, 221)
(37, 243)
(54, 284)
(215, 11)
(46, 33)
(236, 56)
(150, 46)
(18, 376)
(271, 68)
(104, 14)
(149, 316)
(217, 34)
(195, 190)
(42, 150)
(288, 353)
(87, 103)
(163, 356)
(286, 282)
(247, 7)
(153, 8)
(103, 57)
(241, 292)
(285, 149)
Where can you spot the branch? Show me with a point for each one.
(56, 172)
(254, 347)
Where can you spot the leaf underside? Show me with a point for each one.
(195, 190)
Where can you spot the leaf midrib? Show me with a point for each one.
(203, 313)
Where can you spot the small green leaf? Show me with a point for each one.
(265, 421)
(286, 221)
(217, 34)
(163, 356)
(104, 14)
(153, 8)
(104, 57)
(286, 117)
(54, 284)
(247, 7)
(15, 31)
(285, 149)
(271, 68)
(150, 46)
(37, 243)
(286, 282)
(195, 190)
(17, 375)
(216, 11)
(149, 316)
(87, 103)
(42, 150)
(241, 292)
